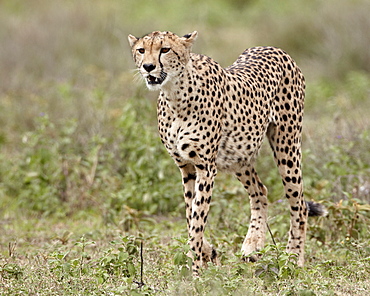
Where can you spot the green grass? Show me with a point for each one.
(84, 179)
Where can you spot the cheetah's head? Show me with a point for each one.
(161, 56)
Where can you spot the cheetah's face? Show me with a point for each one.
(161, 56)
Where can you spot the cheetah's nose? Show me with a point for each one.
(149, 67)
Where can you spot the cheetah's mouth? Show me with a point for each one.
(152, 80)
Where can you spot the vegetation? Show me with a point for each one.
(90, 202)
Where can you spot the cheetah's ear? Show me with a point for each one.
(132, 40)
(189, 38)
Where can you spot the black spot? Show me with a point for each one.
(188, 194)
(184, 146)
(193, 154)
(214, 254)
(192, 176)
(200, 166)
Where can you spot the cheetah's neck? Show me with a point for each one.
(176, 90)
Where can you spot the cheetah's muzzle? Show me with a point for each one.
(152, 80)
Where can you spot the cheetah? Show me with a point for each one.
(212, 118)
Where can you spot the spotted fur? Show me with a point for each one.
(212, 118)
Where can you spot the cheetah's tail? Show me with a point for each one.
(316, 209)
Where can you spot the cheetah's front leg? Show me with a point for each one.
(188, 181)
(198, 217)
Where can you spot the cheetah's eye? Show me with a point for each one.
(165, 49)
(141, 50)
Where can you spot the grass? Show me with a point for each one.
(84, 179)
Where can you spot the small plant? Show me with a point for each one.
(181, 259)
(11, 270)
(276, 263)
(61, 266)
(350, 217)
(121, 259)
(82, 244)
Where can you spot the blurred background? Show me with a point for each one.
(77, 133)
